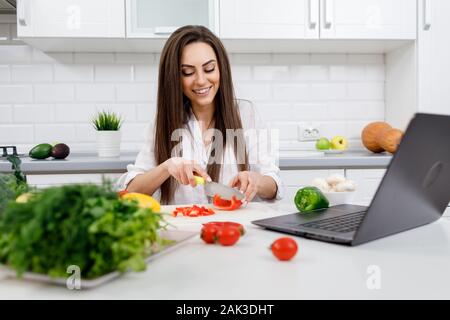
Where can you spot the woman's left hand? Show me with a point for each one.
(248, 183)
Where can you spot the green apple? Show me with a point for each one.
(323, 144)
(339, 143)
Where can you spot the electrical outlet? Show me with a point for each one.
(310, 133)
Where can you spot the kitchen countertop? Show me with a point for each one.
(411, 265)
(90, 163)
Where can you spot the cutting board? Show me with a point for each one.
(244, 215)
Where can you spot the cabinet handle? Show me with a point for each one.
(313, 10)
(426, 15)
(327, 14)
(22, 13)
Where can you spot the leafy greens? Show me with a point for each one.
(83, 225)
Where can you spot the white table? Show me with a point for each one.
(411, 265)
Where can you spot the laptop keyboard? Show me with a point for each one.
(345, 223)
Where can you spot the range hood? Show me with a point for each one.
(8, 6)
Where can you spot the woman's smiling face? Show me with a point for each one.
(200, 74)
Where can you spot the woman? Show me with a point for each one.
(196, 109)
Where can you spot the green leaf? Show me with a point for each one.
(85, 225)
(15, 161)
(107, 121)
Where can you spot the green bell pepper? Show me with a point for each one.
(309, 199)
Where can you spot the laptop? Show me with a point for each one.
(414, 191)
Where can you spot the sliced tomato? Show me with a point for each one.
(223, 204)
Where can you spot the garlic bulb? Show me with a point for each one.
(344, 186)
(321, 183)
(334, 179)
(334, 183)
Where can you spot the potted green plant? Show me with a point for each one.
(108, 125)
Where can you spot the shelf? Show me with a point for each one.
(232, 45)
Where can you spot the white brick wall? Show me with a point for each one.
(113, 73)
(5, 74)
(95, 92)
(6, 114)
(34, 113)
(31, 73)
(52, 97)
(16, 93)
(73, 73)
(54, 92)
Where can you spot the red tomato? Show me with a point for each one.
(223, 204)
(209, 233)
(284, 248)
(221, 224)
(227, 236)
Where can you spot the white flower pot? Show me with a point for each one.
(108, 143)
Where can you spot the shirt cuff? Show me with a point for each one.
(125, 179)
(279, 183)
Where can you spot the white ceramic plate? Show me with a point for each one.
(333, 151)
(300, 154)
(178, 236)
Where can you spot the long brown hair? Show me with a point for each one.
(173, 107)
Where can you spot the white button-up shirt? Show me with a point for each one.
(262, 147)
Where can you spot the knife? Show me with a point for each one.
(212, 188)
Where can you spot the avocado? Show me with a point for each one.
(41, 151)
(60, 151)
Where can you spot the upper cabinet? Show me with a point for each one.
(244, 25)
(433, 56)
(269, 19)
(368, 19)
(318, 19)
(417, 75)
(71, 18)
(159, 18)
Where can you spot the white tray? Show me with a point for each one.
(180, 237)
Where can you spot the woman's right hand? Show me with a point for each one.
(183, 170)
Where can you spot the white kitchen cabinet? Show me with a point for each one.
(296, 179)
(433, 56)
(368, 19)
(417, 74)
(159, 18)
(245, 26)
(8, 30)
(51, 180)
(311, 19)
(367, 182)
(269, 19)
(71, 18)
